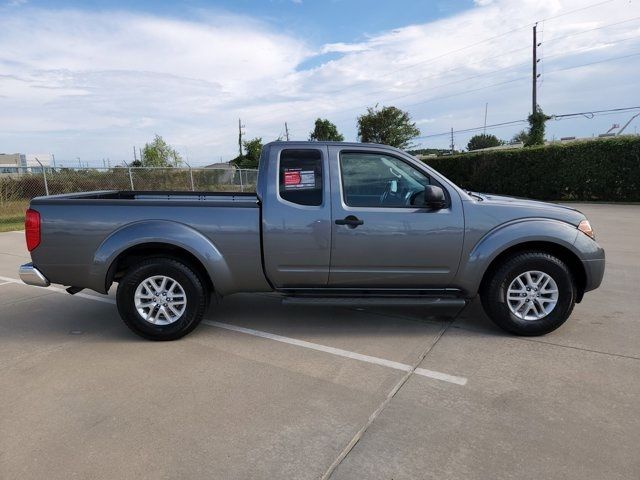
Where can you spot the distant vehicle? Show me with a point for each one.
(330, 223)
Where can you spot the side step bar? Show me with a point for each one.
(376, 301)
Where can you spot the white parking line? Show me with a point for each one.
(445, 377)
(4, 283)
(342, 353)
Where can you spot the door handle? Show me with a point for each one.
(350, 221)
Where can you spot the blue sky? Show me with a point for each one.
(320, 21)
(93, 79)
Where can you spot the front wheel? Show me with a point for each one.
(531, 293)
(161, 299)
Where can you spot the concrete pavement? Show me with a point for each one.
(82, 397)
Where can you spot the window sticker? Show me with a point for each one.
(299, 179)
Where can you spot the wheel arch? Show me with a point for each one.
(563, 253)
(160, 238)
(542, 234)
(133, 255)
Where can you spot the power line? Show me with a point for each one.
(491, 72)
(591, 48)
(474, 129)
(460, 68)
(480, 42)
(576, 10)
(594, 63)
(519, 78)
(587, 114)
(484, 73)
(581, 32)
(595, 113)
(512, 67)
(456, 94)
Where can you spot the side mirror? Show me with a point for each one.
(434, 197)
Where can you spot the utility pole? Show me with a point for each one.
(534, 91)
(135, 158)
(286, 131)
(452, 144)
(240, 127)
(486, 106)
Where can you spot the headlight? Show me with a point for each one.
(585, 227)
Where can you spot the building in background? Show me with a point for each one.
(12, 163)
(15, 163)
(46, 159)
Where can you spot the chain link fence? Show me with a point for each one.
(16, 189)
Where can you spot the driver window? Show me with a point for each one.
(375, 180)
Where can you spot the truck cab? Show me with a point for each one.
(345, 216)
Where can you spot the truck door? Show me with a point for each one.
(296, 216)
(382, 235)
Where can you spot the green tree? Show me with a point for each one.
(536, 128)
(483, 140)
(324, 130)
(159, 153)
(521, 137)
(251, 156)
(389, 126)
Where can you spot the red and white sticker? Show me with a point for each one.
(298, 179)
(291, 178)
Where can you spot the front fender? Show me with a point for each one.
(159, 231)
(508, 235)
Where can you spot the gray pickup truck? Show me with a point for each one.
(330, 223)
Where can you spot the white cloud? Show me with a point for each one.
(95, 83)
(341, 47)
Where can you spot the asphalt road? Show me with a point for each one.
(263, 390)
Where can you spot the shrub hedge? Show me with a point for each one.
(597, 170)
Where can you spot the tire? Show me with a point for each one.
(166, 318)
(538, 315)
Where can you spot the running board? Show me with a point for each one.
(376, 301)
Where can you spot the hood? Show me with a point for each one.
(531, 208)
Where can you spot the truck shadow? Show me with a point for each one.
(54, 318)
(265, 312)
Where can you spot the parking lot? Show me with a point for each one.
(263, 390)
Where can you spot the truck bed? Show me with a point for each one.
(76, 229)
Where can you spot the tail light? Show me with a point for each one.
(32, 229)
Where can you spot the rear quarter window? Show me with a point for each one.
(301, 177)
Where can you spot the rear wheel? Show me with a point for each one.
(161, 299)
(531, 293)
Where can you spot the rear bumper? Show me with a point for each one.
(32, 276)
